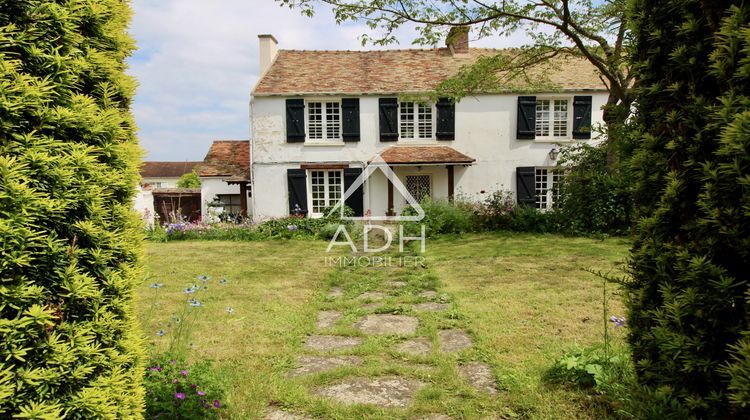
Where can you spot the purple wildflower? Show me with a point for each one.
(201, 393)
(193, 386)
(179, 396)
(184, 372)
(216, 404)
(617, 320)
(156, 368)
(175, 381)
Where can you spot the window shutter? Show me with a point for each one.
(446, 119)
(388, 119)
(350, 121)
(525, 191)
(297, 181)
(295, 120)
(582, 117)
(526, 124)
(355, 200)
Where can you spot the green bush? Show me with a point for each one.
(689, 295)
(69, 345)
(594, 198)
(441, 217)
(190, 180)
(529, 219)
(178, 390)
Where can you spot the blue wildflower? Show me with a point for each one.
(223, 281)
(617, 320)
(195, 303)
(204, 278)
(157, 285)
(230, 310)
(191, 289)
(160, 333)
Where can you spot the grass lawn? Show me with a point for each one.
(523, 298)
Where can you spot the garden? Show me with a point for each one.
(236, 320)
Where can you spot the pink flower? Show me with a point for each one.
(184, 372)
(179, 396)
(201, 393)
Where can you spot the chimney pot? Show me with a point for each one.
(458, 40)
(268, 48)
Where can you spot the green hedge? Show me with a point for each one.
(69, 346)
(689, 299)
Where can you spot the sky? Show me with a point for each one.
(197, 61)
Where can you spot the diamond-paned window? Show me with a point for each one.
(419, 186)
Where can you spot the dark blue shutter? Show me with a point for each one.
(582, 117)
(355, 200)
(295, 120)
(350, 119)
(526, 122)
(525, 191)
(388, 119)
(446, 119)
(297, 183)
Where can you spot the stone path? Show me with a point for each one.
(414, 337)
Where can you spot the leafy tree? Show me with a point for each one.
(70, 247)
(594, 30)
(189, 180)
(689, 297)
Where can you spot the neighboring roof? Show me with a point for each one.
(167, 169)
(398, 71)
(424, 155)
(227, 158)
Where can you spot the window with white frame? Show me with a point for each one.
(325, 189)
(552, 118)
(419, 186)
(323, 120)
(547, 187)
(230, 202)
(415, 120)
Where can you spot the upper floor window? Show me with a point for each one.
(415, 120)
(552, 118)
(324, 120)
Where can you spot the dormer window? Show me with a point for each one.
(323, 120)
(415, 121)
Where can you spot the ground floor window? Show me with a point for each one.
(546, 185)
(419, 186)
(230, 202)
(326, 187)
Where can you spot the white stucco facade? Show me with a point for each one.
(485, 129)
(212, 187)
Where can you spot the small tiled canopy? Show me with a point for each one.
(424, 155)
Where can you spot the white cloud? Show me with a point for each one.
(198, 61)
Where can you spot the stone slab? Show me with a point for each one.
(278, 414)
(335, 292)
(372, 296)
(387, 392)
(428, 294)
(387, 324)
(326, 319)
(453, 341)
(479, 376)
(308, 365)
(420, 346)
(331, 342)
(431, 307)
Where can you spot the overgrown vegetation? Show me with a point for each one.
(689, 295)
(189, 180)
(69, 345)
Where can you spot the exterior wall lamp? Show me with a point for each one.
(554, 153)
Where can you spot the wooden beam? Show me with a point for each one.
(243, 199)
(451, 183)
(390, 199)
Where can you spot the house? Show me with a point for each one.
(158, 192)
(319, 117)
(225, 180)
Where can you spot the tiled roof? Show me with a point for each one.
(227, 158)
(424, 155)
(167, 169)
(176, 191)
(398, 71)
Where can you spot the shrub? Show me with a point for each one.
(495, 211)
(441, 217)
(70, 240)
(688, 298)
(190, 180)
(593, 197)
(178, 390)
(530, 219)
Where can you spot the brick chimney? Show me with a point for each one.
(458, 40)
(268, 48)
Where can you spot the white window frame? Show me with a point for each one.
(569, 122)
(326, 189)
(324, 124)
(433, 121)
(550, 188)
(406, 183)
